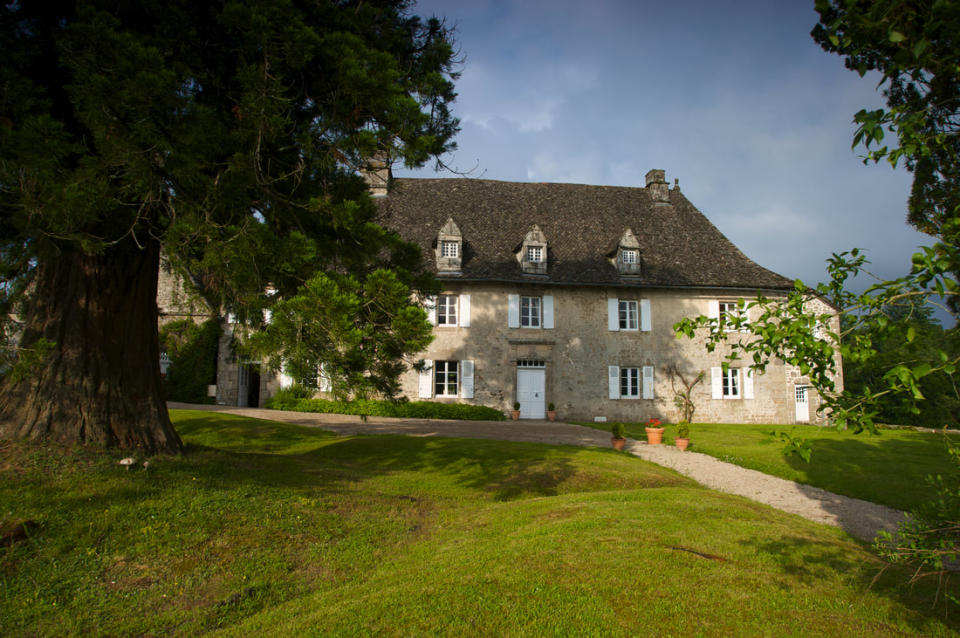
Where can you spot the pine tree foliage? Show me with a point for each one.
(227, 134)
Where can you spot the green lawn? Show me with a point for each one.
(272, 529)
(890, 468)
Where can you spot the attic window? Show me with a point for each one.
(449, 249)
(627, 258)
(532, 253)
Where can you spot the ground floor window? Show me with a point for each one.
(629, 383)
(731, 383)
(445, 379)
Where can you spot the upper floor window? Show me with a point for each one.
(447, 310)
(535, 253)
(728, 312)
(628, 314)
(449, 249)
(629, 256)
(530, 312)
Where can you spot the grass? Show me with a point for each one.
(271, 529)
(890, 468)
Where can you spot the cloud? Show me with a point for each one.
(527, 100)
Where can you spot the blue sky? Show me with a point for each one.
(733, 98)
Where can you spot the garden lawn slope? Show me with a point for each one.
(890, 468)
(272, 529)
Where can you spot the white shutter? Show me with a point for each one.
(430, 305)
(613, 314)
(713, 310)
(267, 316)
(647, 382)
(324, 384)
(426, 380)
(465, 311)
(614, 381)
(717, 379)
(645, 319)
(513, 311)
(548, 312)
(466, 379)
(748, 383)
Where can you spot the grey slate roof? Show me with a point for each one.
(583, 224)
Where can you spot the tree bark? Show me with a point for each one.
(100, 384)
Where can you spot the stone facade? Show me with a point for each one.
(578, 351)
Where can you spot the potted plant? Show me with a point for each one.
(683, 436)
(654, 432)
(617, 439)
(551, 412)
(515, 415)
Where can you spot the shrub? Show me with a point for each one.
(287, 400)
(192, 350)
(683, 430)
(617, 430)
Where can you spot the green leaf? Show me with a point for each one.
(896, 36)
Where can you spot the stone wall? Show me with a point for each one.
(579, 349)
(176, 301)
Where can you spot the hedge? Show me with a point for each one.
(292, 399)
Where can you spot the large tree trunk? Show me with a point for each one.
(100, 383)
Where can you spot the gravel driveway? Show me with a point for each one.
(859, 518)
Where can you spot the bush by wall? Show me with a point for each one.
(292, 399)
(192, 350)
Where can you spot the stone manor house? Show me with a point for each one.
(567, 294)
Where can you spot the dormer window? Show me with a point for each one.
(449, 249)
(627, 256)
(533, 252)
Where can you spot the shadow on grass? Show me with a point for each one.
(889, 468)
(812, 561)
(290, 456)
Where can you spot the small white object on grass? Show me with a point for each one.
(127, 462)
(146, 464)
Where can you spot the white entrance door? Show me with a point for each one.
(531, 386)
(803, 404)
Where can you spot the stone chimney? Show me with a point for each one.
(376, 172)
(657, 187)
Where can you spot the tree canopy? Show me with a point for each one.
(913, 45)
(227, 134)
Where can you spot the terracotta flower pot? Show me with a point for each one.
(654, 436)
(681, 443)
(552, 415)
(617, 442)
(515, 415)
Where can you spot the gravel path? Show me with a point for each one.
(861, 519)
